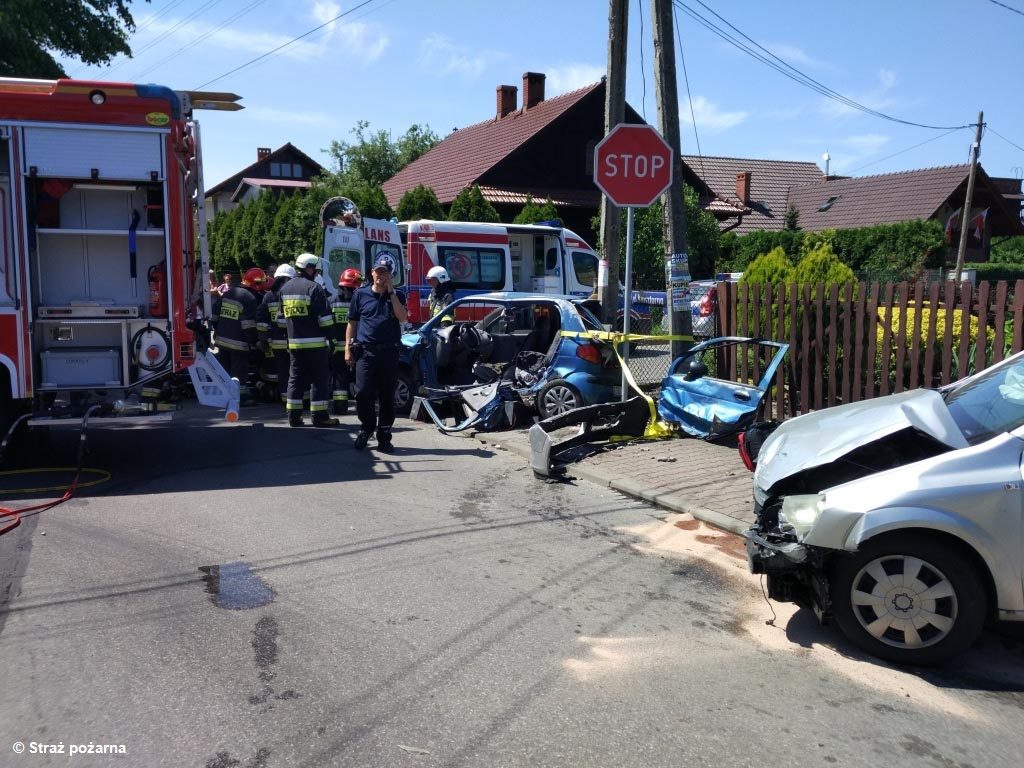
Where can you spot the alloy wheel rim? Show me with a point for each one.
(558, 400)
(401, 393)
(904, 602)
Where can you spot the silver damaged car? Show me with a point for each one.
(899, 517)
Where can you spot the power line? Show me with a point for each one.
(787, 70)
(1007, 7)
(167, 33)
(689, 97)
(239, 14)
(915, 146)
(284, 45)
(1018, 146)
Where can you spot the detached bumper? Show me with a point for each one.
(794, 572)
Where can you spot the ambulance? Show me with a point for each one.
(484, 258)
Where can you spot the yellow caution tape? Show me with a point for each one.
(656, 428)
(103, 476)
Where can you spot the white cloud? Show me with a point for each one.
(451, 58)
(371, 41)
(876, 98)
(791, 54)
(849, 152)
(562, 79)
(323, 11)
(710, 117)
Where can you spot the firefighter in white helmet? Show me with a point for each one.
(309, 321)
(272, 329)
(442, 293)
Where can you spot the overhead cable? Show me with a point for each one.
(769, 59)
(285, 45)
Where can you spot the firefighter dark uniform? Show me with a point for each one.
(234, 320)
(341, 371)
(309, 323)
(378, 335)
(273, 332)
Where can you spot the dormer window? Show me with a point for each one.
(828, 203)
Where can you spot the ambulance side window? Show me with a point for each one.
(474, 267)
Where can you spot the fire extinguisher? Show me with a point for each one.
(157, 276)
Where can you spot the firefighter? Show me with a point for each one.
(234, 319)
(442, 293)
(341, 373)
(270, 326)
(309, 322)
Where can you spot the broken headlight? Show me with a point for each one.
(800, 513)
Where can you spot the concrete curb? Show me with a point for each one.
(627, 486)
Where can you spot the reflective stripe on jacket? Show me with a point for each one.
(234, 317)
(308, 319)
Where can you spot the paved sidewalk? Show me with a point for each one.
(703, 479)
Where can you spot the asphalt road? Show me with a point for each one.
(256, 596)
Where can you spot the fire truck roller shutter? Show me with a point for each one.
(125, 155)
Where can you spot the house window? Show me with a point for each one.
(297, 171)
(828, 203)
(275, 169)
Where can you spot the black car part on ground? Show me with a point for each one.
(596, 422)
(485, 407)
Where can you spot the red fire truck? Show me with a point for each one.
(103, 288)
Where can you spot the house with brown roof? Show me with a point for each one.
(930, 193)
(545, 147)
(284, 171)
(748, 194)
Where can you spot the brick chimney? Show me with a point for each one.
(507, 95)
(262, 153)
(533, 89)
(743, 186)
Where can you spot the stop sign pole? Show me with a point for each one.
(632, 166)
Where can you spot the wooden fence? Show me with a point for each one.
(858, 341)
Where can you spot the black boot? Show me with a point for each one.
(384, 444)
(321, 419)
(362, 439)
(339, 407)
(294, 418)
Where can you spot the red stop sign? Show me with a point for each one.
(633, 165)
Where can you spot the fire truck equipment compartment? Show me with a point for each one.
(81, 367)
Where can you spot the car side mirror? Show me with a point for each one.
(696, 370)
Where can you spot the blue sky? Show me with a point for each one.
(437, 62)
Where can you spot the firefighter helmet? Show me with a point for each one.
(350, 278)
(254, 278)
(440, 273)
(285, 270)
(306, 260)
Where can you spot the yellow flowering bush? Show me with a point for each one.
(921, 319)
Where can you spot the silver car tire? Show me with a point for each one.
(557, 397)
(403, 393)
(935, 617)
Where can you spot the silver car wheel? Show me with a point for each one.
(559, 400)
(403, 394)
(904, 602)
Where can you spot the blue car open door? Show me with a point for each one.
(709, 407)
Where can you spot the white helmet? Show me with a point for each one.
(306, 260)
(440, 273)
(285, 270)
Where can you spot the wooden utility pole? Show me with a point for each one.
(966, 217)
(614, 113)
(677, 271)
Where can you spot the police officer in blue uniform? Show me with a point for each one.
(372, 341)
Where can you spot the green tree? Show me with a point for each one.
(241, 245)
(470, 205)
(532, 212)
(93, 31)
(1009, 250)
(822, 266)
(792, 219)
(266, 205)
(373, 158)
(772, 267)
(420, 203)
